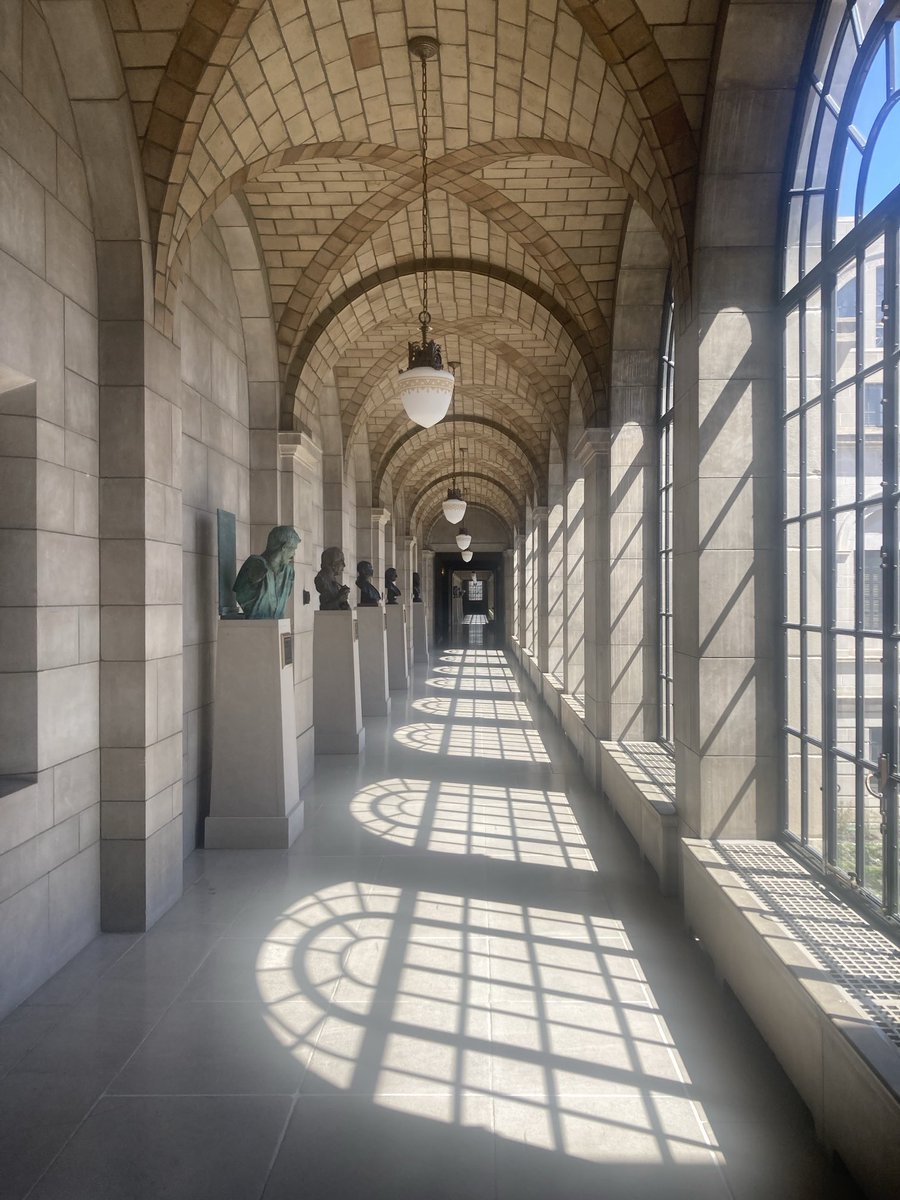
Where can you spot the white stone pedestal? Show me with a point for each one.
(255, 795)
(373, 661)
(420, 633)
(337, 712)
(397, 644)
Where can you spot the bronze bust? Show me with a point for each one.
(391, 591)
(264, 582)
(332, 593)
(369, 594)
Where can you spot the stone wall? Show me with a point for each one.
(49, 528)
(216, 474)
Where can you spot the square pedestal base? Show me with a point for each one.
(337, 711)
(397, 647)
(255, 791)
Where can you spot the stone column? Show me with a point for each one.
(541, 649)
(556, 591)
(632, 575)
(509, 592)
(141, 698)
(521, 585)
(404, 571)
(574, 581)
(727, 486)
(428, 590)
(592, 451)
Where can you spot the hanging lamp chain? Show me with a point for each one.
(425, 315)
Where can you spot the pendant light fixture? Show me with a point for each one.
(425, 387)
(466, 556)
(463, 538)
(454, 506)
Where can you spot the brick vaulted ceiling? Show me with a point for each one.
(548, 119)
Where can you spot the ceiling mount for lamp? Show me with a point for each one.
(425, 387)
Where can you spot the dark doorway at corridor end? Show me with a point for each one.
(469, 600)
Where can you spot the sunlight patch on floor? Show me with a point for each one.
(439, 1005)
(474, 741)
(514, 824)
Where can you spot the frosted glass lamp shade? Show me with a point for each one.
(454, 507)
(464, 539)
(466, 556)
(425, 394)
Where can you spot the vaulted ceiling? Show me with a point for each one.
(548, 119)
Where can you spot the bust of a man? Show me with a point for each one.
(332, 593)
(417, 588)
(369, 594)
(391, 591)
(264, 582)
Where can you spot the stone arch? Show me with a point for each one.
(452, 173)
(624, 39)
(488, 501)
(440, 483)
(447, 173)
(588, 355)
(404, 447)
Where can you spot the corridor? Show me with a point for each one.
(459, 983)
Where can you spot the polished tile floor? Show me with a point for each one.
(459, 983)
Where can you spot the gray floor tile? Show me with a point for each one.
(215, 1049)
(39, 1112)
(342, 1147)
(180, 1148)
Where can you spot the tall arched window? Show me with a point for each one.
(664, 488)
(840, 444)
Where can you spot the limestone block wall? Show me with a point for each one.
(49, 527)
(216, 474)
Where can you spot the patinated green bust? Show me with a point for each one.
(264, 582)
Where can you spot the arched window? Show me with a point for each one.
(840, 446)
(664, 488)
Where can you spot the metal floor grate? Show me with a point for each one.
(863, 960)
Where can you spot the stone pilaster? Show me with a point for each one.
(541, 516)
(592, 451)
(428, 587)
(300, 475)
(140, 625)
(509, 592)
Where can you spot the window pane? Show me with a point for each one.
(814, 571)
(794, 766)
(813, 683)
(884, 169)
(813, 420)
(873, 437)
(871, 589)
(792, 574)
(845, 444)
(845, 694)
(845, 850)
(845, 574)
(873, 299)
(793, 678)
(812, 334)
(813, 245)
(845, 323)
(792, 466)
(792, 361)
(814, 799)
